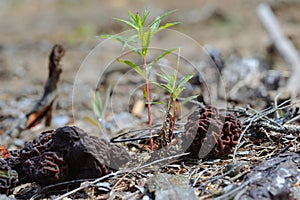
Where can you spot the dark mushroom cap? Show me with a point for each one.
(210, 134)
(68, 153)
(8, 177)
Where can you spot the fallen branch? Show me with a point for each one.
(283, 45)
(43, 108)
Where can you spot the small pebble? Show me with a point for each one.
(146, 197)
(19, 142)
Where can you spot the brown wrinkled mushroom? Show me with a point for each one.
(8, 177)
(40, 163)
(210, 134)
(68, 153)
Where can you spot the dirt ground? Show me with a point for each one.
(29, 29)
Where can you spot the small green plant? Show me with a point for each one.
(173, 88)
(99, 108)
(142, 38)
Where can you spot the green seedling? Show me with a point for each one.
(99, 108)
(173, 88)
(140, 43)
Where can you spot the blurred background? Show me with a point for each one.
(29, 29)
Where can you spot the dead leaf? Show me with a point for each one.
(3, 151)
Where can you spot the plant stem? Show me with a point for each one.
(174, 98)
(148, 102)
(173, 118)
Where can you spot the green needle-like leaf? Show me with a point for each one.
(139, 22)
(146, 42)
(158, 19)
(145, 15)
(166, 75)
(92, 121)
(134, 26)
(154, 26)
(166, 87)
(184, 80)
(163, 54)
(97, 105)
(173, 79)
(167, 25)
(188, 99)
(176, 92)
(105, 36)
(168, 13)
(106, 100)
(132, 65)
(126, 42)
(163, 77)
(132, 18)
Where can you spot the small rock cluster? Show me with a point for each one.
(275, 178)
(210, 134)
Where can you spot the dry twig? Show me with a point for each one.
(43, 108)
(260, 119)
